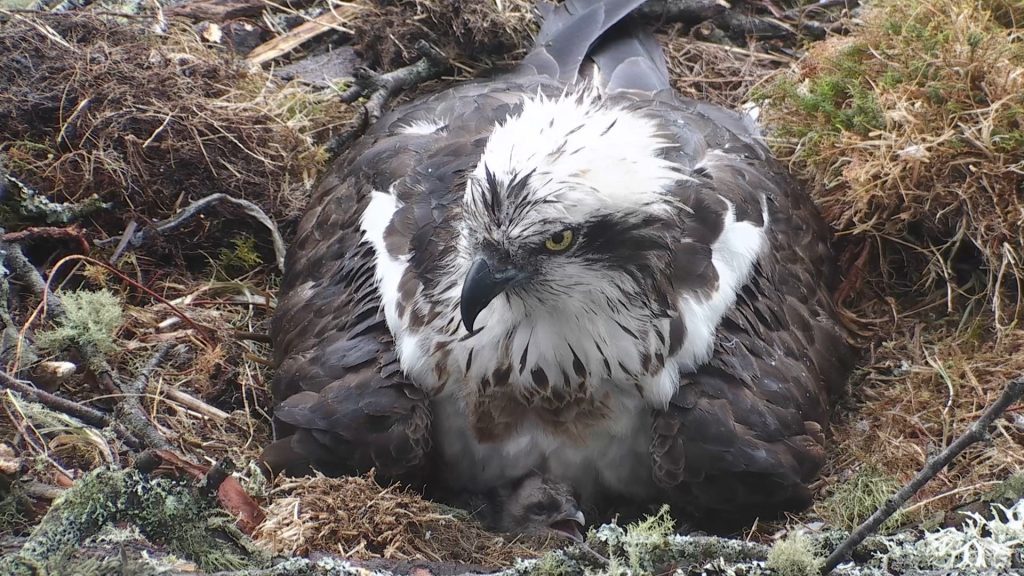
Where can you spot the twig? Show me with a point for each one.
(383, 87)
(129, 407)
(261, 337)
(976, 433)
(196, 405)
(187, 213)
(800, 11)
(129, 233)
(303, 33)
(87, 415)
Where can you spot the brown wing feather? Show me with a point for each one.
(342, 406)
(744, 435)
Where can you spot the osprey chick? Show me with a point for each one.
(529, 505)
(568, 271)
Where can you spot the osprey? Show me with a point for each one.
(566, 270)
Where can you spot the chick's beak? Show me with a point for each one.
(571, 526)
(483, 283)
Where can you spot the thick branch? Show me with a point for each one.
(87, 415)
(737, 24)
(976, 433)
(27, 273)
(36, 205)
(129, 407)
(685, 11)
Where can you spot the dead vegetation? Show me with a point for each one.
(712, 72)
(474, 33)
(357, 518)
(149, 122)
(910, 133)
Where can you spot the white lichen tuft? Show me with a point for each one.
(795, 555)
(91, 320)
(980, 544)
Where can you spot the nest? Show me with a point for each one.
(149, 122)
(356, 518)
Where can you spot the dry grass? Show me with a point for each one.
(150, 122)
(910, 132)
(922, 384)
(713, 72)
(357, 518)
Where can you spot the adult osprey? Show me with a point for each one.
(565, 270)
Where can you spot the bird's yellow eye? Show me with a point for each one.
(559, 241)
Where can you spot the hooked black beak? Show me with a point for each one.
(571, 526)
(483, 283)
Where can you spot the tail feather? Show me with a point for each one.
(629, 57)
(572, 31)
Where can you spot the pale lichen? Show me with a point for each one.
(163, 510)
(980, 544)
(90, 321)
(794, 555)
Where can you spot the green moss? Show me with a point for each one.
(855, 500)
(165, 511)
(840, 99)
(243, 258)
(795, 555)
(91, 321)
(12, 505)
